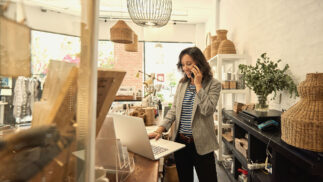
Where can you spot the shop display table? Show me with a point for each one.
(146, 170)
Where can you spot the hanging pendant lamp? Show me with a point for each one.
(134, 46)
(150, 12)
(121, 33)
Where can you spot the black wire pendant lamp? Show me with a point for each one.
(150, 12)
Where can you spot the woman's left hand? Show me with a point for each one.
(197, 76)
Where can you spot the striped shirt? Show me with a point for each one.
(187, 108)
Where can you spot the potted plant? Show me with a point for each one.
(265, 78)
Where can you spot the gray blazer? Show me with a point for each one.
(203, 108)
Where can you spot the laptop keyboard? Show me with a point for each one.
(157, 149)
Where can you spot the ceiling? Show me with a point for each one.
(184, 11)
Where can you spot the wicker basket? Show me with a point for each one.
(132, 47)
(214, 38)
(204, 53)
(121, 33)
(222, 34)
(150, 116)
(207, 51)
(226, 46)
(215, 45)
(302, 124)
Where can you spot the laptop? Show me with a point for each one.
(132, 133)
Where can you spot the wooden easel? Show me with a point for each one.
(109, 82)
(58, 106)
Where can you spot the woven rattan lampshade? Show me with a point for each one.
(150, 12)
(302, 124)
(134, 46)
(121, 33)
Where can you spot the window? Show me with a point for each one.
(47, 46)
(161, 59)
(51, 46)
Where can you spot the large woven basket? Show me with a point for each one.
(302, 124)
(207, 51)
(222, 34)
(227, 47)
(214, 45)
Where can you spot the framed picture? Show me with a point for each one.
(5, 82)
(160, 77)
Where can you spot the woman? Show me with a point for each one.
(192, 111)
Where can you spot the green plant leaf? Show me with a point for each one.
(265, 77)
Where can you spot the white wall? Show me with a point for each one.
(199, 38)
(212, 24)
(290, 30)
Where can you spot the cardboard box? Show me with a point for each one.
(237, 107)
(241, 145)
(228, 136)
(233, 85)
(226, 85)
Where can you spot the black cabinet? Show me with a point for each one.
(288, 163)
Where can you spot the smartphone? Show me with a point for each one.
(192, 74)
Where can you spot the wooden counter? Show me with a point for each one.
(146, 170)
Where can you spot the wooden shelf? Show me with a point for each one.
(306, 159)
(306, 164)
(118, 100)
(126, 98)
(234, 91)
(224, 125)
(227, 136)
(228, 57)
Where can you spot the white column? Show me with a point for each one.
(87, 88)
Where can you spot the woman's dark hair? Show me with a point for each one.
(199, 59)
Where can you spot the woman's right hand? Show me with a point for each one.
(154, 135)
(157, 133)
